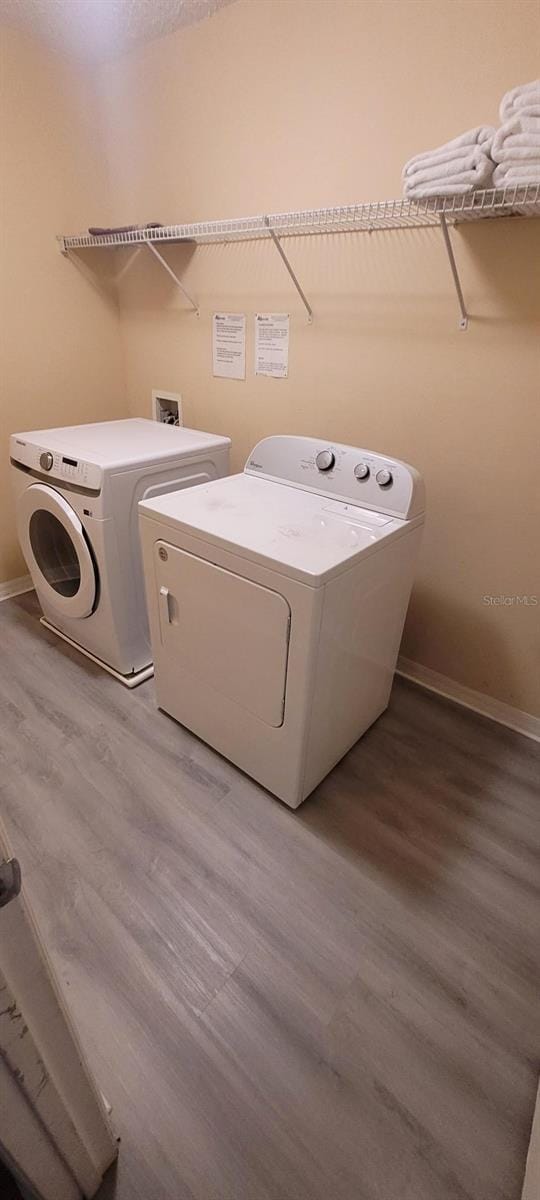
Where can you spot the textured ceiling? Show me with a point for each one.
(98, 29)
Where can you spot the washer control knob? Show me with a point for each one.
(384, 478)
(46, 460)
(325, 460)
(362, 471)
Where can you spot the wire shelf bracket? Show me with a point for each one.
(464, 319)
(173, 276)
(288, 267)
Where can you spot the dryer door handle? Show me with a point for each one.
(164, 604)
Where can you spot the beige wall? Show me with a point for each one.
(60, 353)
(276, 104)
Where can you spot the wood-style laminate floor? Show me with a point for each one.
(334, 1004)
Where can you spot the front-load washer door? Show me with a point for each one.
(223, 631)
(56, 550)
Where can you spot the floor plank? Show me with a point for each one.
(341, 1001)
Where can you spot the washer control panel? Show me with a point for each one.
(56, 465)
(346, 473)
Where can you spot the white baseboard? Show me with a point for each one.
(496, 710)
(15, 587)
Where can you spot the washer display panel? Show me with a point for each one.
(56, 550)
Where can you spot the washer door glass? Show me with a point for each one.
(54, 553)
(57, 551)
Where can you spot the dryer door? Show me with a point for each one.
(223, 631)
(56, 550)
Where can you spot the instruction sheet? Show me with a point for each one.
(229, 345)
(272, 344)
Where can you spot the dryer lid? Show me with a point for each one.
(295, 532)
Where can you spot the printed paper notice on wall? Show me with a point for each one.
(229, 345)
(272, 344)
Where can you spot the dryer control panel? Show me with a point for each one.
(56, 465)
(340, 472)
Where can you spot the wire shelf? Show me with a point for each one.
(435, 212)
(523, 201)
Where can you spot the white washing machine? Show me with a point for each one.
(277, 600)
(77, 491)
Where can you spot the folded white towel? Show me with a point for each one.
(461, 181)
(509, 174)
(518, 138)
(457, 167)
(428, 171)
(517, 154)
(428, 190)
(480, 137)
(529, 119)
(530, 116)
(519, 98)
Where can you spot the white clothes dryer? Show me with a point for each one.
(77, 491)
(277, 600)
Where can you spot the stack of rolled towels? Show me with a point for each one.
(516, 145)
(483, 157)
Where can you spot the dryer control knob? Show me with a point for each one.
(325, 460)
(384, 478)
(362, 471)
(46, 460)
